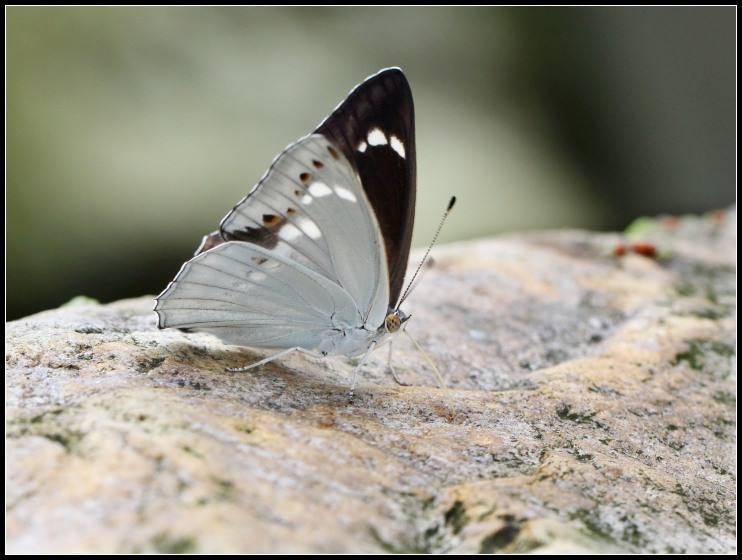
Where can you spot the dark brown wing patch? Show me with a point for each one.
(209, 242)
(383, 102)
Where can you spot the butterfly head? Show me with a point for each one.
(395, 319)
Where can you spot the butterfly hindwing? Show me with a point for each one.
(277, 303)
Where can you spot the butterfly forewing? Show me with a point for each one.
(311, 208)
(375, 129)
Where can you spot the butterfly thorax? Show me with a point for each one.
(354, 341)
(350, 342)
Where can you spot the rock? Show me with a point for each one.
(590, 405)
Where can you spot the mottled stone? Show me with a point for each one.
(590, 405)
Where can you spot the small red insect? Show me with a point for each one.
(642, 248)
(645, 249)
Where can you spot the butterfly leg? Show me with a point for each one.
(357, 369)
(264, 360)
(391, 369)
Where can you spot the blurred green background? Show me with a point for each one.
(131, 131)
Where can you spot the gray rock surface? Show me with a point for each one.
(590, 405)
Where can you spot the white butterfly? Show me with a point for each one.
(313, 259)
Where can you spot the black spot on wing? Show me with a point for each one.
(271, 220)
(333, 152)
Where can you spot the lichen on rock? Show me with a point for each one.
(590, 405)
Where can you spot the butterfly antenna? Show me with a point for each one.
(431, 363)
(408, 290)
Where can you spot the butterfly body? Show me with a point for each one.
(350, 341)
(314, 256)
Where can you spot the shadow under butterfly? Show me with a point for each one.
(314, 258)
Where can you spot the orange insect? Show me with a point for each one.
(645, 249)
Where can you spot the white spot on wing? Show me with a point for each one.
(342, 192)
(289, 232)
(397, 146)
(257, 276)
(376, 137)
(362, 146)
(319, 189)
(310, 228)
(306, 200)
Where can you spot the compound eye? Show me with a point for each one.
(393, 322)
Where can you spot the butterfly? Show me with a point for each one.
(314, 258)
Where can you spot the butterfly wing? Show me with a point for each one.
(310, 207)
(375, 129)
(322, 240)
(250, 296)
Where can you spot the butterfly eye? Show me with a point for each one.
(392, 322)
